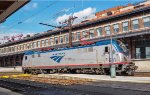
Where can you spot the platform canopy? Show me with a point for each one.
(8, 7)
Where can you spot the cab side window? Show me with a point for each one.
(25, 57)
(106, 49)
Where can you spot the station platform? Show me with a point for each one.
(97, 78)
(10, 69)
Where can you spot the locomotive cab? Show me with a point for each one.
(120, 56)
(127, 66)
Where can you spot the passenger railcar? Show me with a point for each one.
(94, 58)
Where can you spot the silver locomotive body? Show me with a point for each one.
(93, 58)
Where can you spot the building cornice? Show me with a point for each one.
(48, 33)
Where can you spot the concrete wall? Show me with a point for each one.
(143, 65)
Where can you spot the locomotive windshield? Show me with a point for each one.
(123, 46)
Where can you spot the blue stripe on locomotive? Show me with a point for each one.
(57, 58)
(104, 42)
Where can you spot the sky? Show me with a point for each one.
(26, 20)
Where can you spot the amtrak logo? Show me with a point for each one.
(57, 57)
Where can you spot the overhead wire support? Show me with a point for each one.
(51, 25)
(69, 23)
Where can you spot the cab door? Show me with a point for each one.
(106, 54)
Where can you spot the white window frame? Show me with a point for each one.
(107, 28)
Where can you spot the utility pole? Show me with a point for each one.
(112, 65)
(69, 23)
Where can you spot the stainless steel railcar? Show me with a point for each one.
(94, 58)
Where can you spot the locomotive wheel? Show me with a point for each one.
(102, 71)
(33, 72)
(52, 71)
(106, 71)
(119, 73)
(97, 71)
(130, 72)
(25, 72)
(78, 71)
(83, 71)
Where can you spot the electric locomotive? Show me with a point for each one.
(95, 58)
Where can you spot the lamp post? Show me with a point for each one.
(112, 65)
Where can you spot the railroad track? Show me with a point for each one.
(27, 87)
(29, 84)
(32, 85)
(23, 87)
(34, 88)
(16, 75)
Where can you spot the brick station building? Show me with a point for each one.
(130, 23)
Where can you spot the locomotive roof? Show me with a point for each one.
(104, 42)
